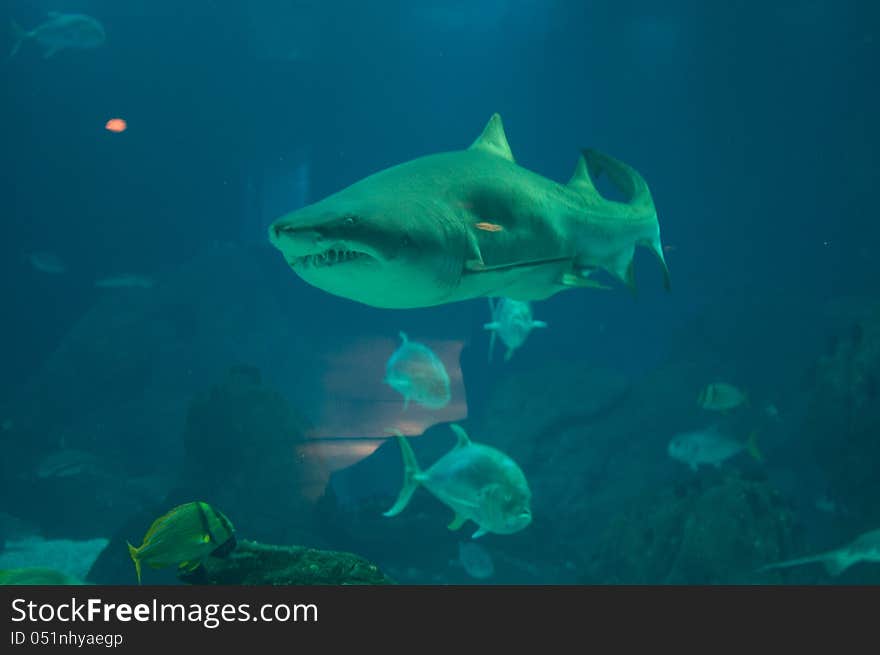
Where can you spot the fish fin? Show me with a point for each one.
(493, 140)
(456, 522)
(581, 181)
(133, 553)
(405, 403)
(403, 337)
(479, 533)
(491, 344)
(479, 266)
(410, 473)
(623, 176)
(539, 324)
(494, 325)
(188, 567)
(572, 280)
(836, 564)
(752, 446)
(19, 34)
(635, 190)
(657, 248)
(822, 557)
(461, 435)
(508, 354)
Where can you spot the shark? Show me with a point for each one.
(471, 223)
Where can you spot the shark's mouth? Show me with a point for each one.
(332, 257)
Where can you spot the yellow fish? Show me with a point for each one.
(185, 536)
(720, 397)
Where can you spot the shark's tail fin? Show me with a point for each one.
(637, 201)
(18, 36)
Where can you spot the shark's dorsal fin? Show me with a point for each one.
(493, 140)
(581, 181)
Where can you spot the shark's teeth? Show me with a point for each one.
(328, 258)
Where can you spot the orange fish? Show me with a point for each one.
(116, 125)
(488, 227)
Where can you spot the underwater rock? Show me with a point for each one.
(241, 457)
(695, 534)
(69, 558)
(843, 420)
(119, 382)
(240, 445)
(253, 563)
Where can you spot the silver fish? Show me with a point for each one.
(865, 548)
(478, 482)
(512, 321)
(709, 446)
(125, 282)
(414, 371)
(61, 32)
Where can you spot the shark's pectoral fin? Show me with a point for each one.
(471, 266)
(572, 280)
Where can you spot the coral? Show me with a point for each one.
(253, 563)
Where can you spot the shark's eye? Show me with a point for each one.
(348, 220)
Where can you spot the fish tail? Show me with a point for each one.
(19, 34)
(411, 472)
(752, 446)
(133, 552)
(826, 558)
(836, 564)
(632, 185)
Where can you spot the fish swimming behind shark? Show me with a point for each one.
(414, 235)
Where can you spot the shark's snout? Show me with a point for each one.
(310, 247)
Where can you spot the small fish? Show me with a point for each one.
(771, 411)
(512, 321)
(60, 32)
(46, 262)
(475, 560)
(709, 446)
(488, 227)
(66, 463)
(184, 536)
(721, 397)
(36, 576)
(826, 505)
(478, 482)
(125, 282)
(414, 371)
(865, 548)
(116, 125)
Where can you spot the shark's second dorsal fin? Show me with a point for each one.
(493, 139)
(581, 181)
